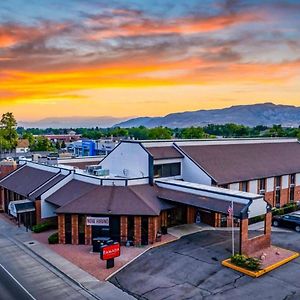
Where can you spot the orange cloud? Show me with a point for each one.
(144, 27)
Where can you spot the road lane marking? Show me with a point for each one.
(17, 282)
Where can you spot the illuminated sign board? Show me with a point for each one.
(110, 251)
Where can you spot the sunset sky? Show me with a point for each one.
(146, 57)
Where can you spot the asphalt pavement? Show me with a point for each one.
(190, 268)
(10, 288)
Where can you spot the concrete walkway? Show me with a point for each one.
(186, 229)
(99, 289)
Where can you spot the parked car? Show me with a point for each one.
(291, 221)
(9, 158)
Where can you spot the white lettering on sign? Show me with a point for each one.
(97, 221)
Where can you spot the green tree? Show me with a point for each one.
(8, 132)
(160, 133)
(57, 145)
(63, 145)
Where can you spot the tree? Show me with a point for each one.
(57, 145)
(63, 145)
(8, 131)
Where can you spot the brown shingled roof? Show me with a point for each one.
(240, 162)
(47, 186)
(69, 192)
(164, 152)
(207, 203)
(26, 180)
(117, 200)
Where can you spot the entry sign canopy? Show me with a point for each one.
(110, 251)
(97, 221)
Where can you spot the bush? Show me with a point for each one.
(256, 219)
(243, 261)
(287, 208)
(53, 238)
(42, 227)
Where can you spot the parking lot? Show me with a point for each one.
(190, 268)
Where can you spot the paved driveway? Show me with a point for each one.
(190, 269)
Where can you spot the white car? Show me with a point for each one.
(9, 158)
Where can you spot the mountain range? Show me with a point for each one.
(251, 115)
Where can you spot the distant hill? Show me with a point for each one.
(250, 115)
(73, 122)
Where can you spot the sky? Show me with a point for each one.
(146, 57)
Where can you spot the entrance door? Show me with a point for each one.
(144, 234)
(68, 229)
(114, 224)
(177, 216)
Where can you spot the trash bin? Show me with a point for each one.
(98, 242)
(164, 230)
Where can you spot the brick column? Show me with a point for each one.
(88, 234)
(268, 224)
(152, 229)
(243, 236)
(297, 193)
(217, 220)
(1, 199)
(284, 197)
(61, 229)
(269, 197)
(137, 231)
(75, 229)
(38, 212)
(191, 212)
(123, 229)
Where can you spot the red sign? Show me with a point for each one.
(110, 251)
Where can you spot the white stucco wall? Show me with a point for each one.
(257, 208)
(127, 156)
(234, 186)
(253, 186)
(270, 184)
(285, 182)
(298, 179)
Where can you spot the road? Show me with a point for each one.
(10, 289)
(25, 276)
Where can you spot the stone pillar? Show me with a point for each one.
(61, 229)
(38, 213)
(123, 229)
(75, 229)
(137, 231)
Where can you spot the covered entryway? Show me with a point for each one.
(23, 211)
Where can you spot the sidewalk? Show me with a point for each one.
(101, 289)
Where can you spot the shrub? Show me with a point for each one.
(42, 227)
(250, 263)
(53, 238)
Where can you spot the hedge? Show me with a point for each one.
(42, 227)
(250, 263)
(53, 238)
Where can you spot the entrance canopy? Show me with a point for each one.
(215, 199)
(20, 206)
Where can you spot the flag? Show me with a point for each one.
(230, 210)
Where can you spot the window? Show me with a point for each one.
(244, 186)
(292, 179)
(292, 194)
(262, 185)
(224, 186)
(167, 170)
(278, 181)
(277, 198)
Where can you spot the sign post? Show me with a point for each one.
(230, 213)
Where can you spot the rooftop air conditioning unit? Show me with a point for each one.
(101, 172)
(92, 168)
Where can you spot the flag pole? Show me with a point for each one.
(232, 227)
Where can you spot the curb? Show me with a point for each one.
(19, 243)
(255, 274)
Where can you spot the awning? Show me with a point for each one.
(20, 206)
